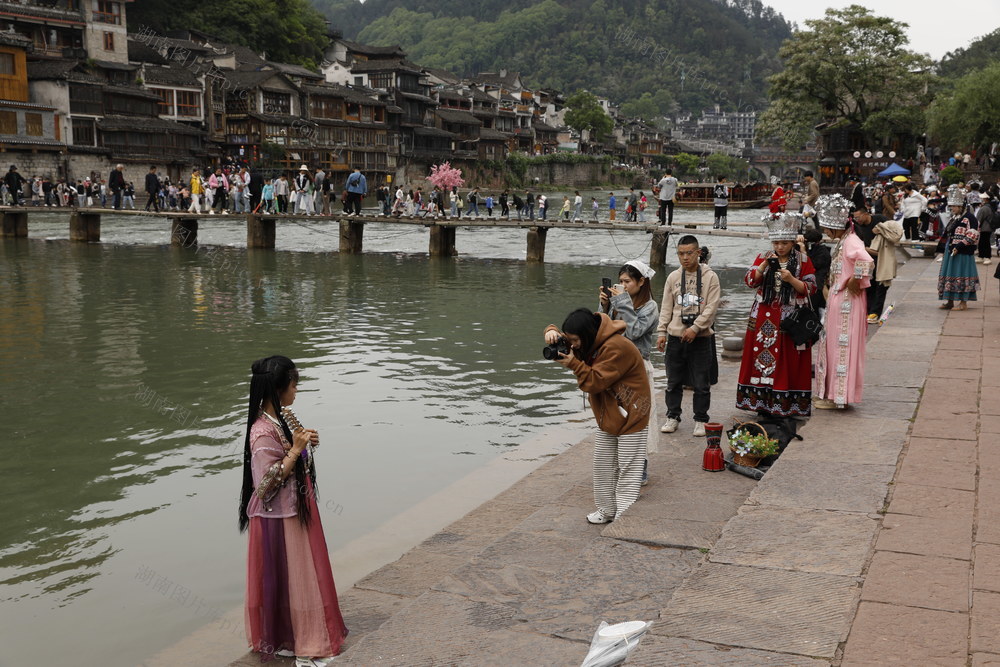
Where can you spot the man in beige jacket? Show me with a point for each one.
(691, 299)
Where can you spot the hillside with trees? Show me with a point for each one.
(661, 55)
(982, 53)
(289, 31)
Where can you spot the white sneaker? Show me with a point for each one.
(285, 653)
(987, 261)
(699, 429)
(670, 426)
(313, 662)
(597, 517)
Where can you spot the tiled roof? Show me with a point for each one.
(343, 92)
(296, 70)
(175, 75)
(385, 66)
(367, 50)
(456, 116)
(140, 52)
(8, 38)
(489, 134)
(50, 69)
(159, 125)
(432, 132)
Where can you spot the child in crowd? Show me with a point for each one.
(564, 211)
(594, 207)
(489, 205)
(267, 196)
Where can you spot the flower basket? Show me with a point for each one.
(748, 448)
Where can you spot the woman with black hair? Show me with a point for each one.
(610, 369)
(291, 601)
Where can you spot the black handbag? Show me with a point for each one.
(804, 325)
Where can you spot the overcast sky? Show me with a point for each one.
(935, 27)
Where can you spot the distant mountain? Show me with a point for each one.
(684, 54)
(980, 53)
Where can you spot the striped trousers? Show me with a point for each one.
(618, 470)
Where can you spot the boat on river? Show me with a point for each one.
(701, 195)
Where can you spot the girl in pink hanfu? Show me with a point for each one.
(840, 352)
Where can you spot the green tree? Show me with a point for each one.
(720, 164)
(970, 114)
(850, 68)
(290, 31)
(584, 112)
(686, 165)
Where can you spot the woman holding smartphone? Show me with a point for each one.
(775, 375)
(631, 301)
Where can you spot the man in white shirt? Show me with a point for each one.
(666, 191)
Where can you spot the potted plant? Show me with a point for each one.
(749, 448)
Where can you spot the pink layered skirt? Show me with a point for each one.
(291, 600)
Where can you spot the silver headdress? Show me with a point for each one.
(956, 195)
(784, 226)
(833, 211)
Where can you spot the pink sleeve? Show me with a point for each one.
(265, 451)
(864, 265)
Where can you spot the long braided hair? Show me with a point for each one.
(271, 377)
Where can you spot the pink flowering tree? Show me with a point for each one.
(446, 177)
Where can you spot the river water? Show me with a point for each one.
(125, 372)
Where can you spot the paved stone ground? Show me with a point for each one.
(930, 595)
(735, 572)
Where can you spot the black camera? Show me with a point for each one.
(773, 263)
(688, 319)
(553, 350)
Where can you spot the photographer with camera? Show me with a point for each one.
(631, 301)
(691, 299)
(609, 368)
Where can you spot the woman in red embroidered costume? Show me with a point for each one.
(775, 376)
(291, 602)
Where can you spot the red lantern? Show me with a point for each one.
(713, 459)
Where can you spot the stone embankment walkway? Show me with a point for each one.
(870, 542)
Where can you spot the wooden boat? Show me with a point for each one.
(701, 195)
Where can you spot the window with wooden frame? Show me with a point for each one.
(109, 41)
(166, 107)
(108, 12)
(83, 132)
(275, 103)
(7, 64)
(8, 122)
(33, 124)
(188, 103)
(353, 111)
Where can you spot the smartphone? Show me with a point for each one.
(606, 287)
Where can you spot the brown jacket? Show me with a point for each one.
(615, 377)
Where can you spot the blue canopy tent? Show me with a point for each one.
(894, 170)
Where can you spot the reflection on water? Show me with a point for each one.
(125, 371)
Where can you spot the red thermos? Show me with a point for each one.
(713, 459)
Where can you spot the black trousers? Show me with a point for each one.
(985, 249)
(666, 211)
(689, 363)
(721, 214)
(911, 228)
(354, 203)
(876, 298)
